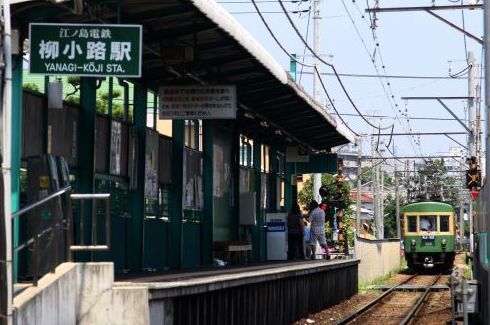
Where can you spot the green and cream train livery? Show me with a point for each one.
(429, 234)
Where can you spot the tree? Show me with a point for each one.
(330, 182)
(437, 184)
(390, 215)
(367, 176)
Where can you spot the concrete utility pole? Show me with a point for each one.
(317, 177)
(397, 202)
(473, 128)
(359, 187)
(471, 105)
(381, 204)
(374, 189)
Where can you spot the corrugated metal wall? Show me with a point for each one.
(280, 301)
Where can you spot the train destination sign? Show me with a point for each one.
(85, 49)
(197, 102)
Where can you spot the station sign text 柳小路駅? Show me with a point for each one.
(197, 102)
(85, 49)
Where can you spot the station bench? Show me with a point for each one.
(233, 252)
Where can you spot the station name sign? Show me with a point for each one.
(85, 49)
(197, 102)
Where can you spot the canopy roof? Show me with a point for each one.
(221, 51)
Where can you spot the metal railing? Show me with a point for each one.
(95, 245)
(60, 227)
(39, 234)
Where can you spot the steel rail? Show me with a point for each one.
(416, 308)
(368, 306)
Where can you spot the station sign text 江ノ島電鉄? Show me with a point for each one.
(85, 49)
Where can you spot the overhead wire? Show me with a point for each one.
(330, 100)
(391, 100)
(372, 26)
(361, 75)
(270, 12)
(303, 64)
(464, 35)
(460, 73)
(293, 25)
(304, 49)
(412, 118)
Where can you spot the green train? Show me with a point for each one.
(429, 232)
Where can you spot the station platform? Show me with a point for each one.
(270, 293)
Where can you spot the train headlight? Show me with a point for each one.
(414, 242)
(443, 243)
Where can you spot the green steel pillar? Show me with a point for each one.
(175, 244)
(86, 153)
(257, 229)
(16, 148)
(208, 189)
(274, 167)
(137, 195)
(235, 163)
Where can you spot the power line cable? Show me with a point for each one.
(460, 73)
(269, 12)
(372, 27)
(330, 100)
(360, 75)
(261, 1)
(464, 35)
(304, 49)
(303, 64)
(412, 118)
(328, 64)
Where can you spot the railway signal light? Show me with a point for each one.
(473, 175)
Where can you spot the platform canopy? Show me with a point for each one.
(198, 42)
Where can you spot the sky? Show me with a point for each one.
(406, 43)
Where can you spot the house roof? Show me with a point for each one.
(364, 197)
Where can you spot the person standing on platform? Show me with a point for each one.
(317, 219)
(295, 233)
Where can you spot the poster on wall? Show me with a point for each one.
(197, 102)
(218, 172)
(116, 138)
(151, 165)
(193, 195)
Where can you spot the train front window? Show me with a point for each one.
(444, 223)
(412, 224)
(427, 223)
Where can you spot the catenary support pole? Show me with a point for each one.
(397, 203)
(472, 126)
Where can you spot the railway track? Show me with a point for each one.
(393, 307)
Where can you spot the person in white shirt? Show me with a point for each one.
(317, 219)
